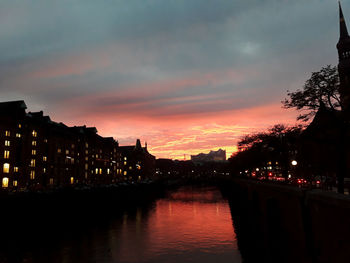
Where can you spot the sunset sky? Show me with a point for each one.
(187, 76)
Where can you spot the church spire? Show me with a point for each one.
(343, 29)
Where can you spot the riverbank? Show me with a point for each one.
(280, 223)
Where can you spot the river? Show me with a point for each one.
(190, 224)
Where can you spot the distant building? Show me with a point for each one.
(212, 156)
(36, 153)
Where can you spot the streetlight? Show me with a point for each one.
(294, 162)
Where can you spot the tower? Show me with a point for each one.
(343, 47)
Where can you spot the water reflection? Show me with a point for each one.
(189, 225)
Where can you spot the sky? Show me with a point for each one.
(187, 76)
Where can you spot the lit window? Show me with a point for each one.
(96, 155)
(7, 133)
(7, 143)
(86, 166)
(44, 158)
(125, 158)
(51, 181)
(72, 180)
(86, 152)
(67, 151)
(45, 140)
(18, 135)
(125, 163)
(19, 125)
(73, 146)
(125, 172)
(108, 171)
(15, 183)
(86, 145)
(32, 163)
(34, 143)
(15, 169)
(5, 182)
(130, 168)
(100, 170)
(34, 133)
(86, 158)
(6, 154)
(72, 161)
(6, 168)
(32, 175)
(86, 175)
(33, 152)
(59, 150)
(44, 170)
(96, 171)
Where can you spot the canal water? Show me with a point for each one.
(190, 224)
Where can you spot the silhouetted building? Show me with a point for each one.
(343, 47)
(40, 153)
(212, 156)
(324, 145)
(138, 163)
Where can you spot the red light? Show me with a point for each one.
(318, 182)
(299, 181)
(270, 174)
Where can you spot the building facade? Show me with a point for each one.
(38, 153)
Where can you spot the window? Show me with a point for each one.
(72, 180)
(19, 125)
(125, 172)
(6, 154)
(34, 133)
(67, 151)
(15, 183)
(32, 163)
(44, 158)
(130, 168)
(86, 145)
(125, 158)
(96, 171)
(86, 175)
(44, 170)
(5, 182)
(73, 146)
(33, 152)
(100, 170)
(45, 140)
(51, 181)
(15, 169)
(18, 135)
(125, 163)
(6, 168)
(32, 175)
(59, 150)
(86, 152)
(108, 171)
(86, 158)
(7, 133)
(7, 143)
(86, 166)
(34, 143)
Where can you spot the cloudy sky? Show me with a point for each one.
(187, 76)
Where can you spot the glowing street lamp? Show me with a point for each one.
(294, 162)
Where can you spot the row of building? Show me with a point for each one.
(40, 153)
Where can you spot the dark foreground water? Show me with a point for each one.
(188, 225)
